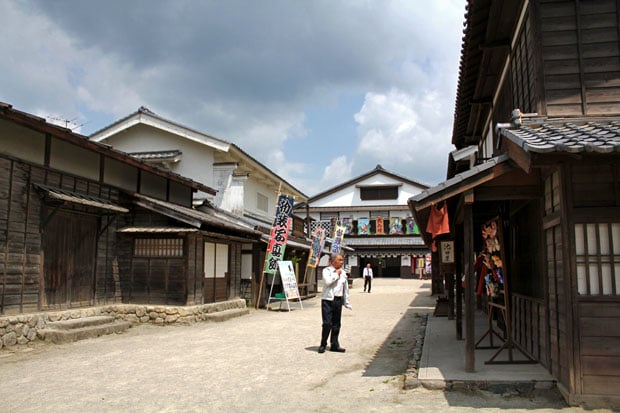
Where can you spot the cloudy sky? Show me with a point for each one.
(320, 91)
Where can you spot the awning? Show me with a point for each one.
(64, 195)
(156, 230)
(400, 241)
(207, 219)
(491, 169)
(389, 252)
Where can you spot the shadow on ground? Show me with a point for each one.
(393, 355)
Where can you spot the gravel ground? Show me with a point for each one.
(265, 361)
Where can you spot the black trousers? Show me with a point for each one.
(367, 282)
(331, 311)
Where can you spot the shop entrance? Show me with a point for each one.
(382, 267)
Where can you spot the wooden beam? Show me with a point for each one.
(500, 193)
(470, 283)
(497, 44)
(521, 157)
(487, 100)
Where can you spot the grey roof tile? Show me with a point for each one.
(592, 137)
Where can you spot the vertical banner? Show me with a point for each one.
(279, 234)
(318, 242)
(337, 239)
(380, 226)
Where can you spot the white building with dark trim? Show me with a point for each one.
(379, 226)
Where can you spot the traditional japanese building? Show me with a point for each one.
(533, 188)
(372, 212)
(85, 225)
(245, 188)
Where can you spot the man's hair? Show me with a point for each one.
(334, 255)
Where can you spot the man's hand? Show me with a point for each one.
(348, 306)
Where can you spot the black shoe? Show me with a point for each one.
(337, 349)
(321, 349)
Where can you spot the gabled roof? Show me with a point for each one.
(377, 171)
(40, 125)
(145, 116)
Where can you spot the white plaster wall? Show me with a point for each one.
(252, 188)
(350, 196)
(196, 162)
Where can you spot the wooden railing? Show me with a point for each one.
(528, 321)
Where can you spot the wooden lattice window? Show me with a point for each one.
(158, 247)
(597, 249)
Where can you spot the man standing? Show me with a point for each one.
(367, 277)
(335, 295)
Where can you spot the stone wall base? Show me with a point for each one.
(23, 328)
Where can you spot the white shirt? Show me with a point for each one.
(335, 285)
(368, 272)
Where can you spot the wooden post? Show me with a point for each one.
(470, 283)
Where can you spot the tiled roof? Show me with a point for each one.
(460, 178)
(597, 137)
(156, 155)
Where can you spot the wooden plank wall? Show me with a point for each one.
(559, 357)
(21, 255)
(20, 240)
(581, 57)
(525, 91)
(599, 339)
(195, 270)
(151, 280)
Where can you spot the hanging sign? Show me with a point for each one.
(447, 252)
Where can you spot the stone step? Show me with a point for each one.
(80, 322)
(227, 314)
(69, 332)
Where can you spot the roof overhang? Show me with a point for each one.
(204, 219)
(461, 184)
(62, 195)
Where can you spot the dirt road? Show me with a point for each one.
(265, 361)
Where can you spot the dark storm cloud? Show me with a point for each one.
(270, 50)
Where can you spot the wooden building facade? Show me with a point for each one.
(538, 102)
(82, 224)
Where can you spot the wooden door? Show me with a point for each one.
(69, 245)
(216, 276)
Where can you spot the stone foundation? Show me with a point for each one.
(23, 328)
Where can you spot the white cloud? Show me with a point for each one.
(246, 72)
(404, 134)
